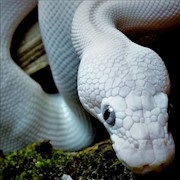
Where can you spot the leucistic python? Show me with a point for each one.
(123, 84)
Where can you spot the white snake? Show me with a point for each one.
(122, 84)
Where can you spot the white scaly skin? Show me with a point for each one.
(27, 113)
(113, 72)
(125, 85)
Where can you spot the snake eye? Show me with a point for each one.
(109, 115)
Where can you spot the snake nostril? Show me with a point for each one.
(136, 145)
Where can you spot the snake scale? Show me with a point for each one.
(98, 70)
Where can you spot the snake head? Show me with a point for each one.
(127, 92)
(138, 127)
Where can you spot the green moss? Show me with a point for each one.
(41, 161)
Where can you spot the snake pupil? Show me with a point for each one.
(109, 115)
(106, 114)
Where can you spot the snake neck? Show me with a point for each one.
(87, 28)
(97, 20)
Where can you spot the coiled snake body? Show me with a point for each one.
(122, 84)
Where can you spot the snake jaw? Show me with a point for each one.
(144, 156)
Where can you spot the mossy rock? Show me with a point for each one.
(41, 161)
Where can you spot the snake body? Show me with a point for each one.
(98, 71)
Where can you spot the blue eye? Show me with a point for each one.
(109, 115)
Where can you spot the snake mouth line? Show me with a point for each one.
(144, 159)
(144, 169)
